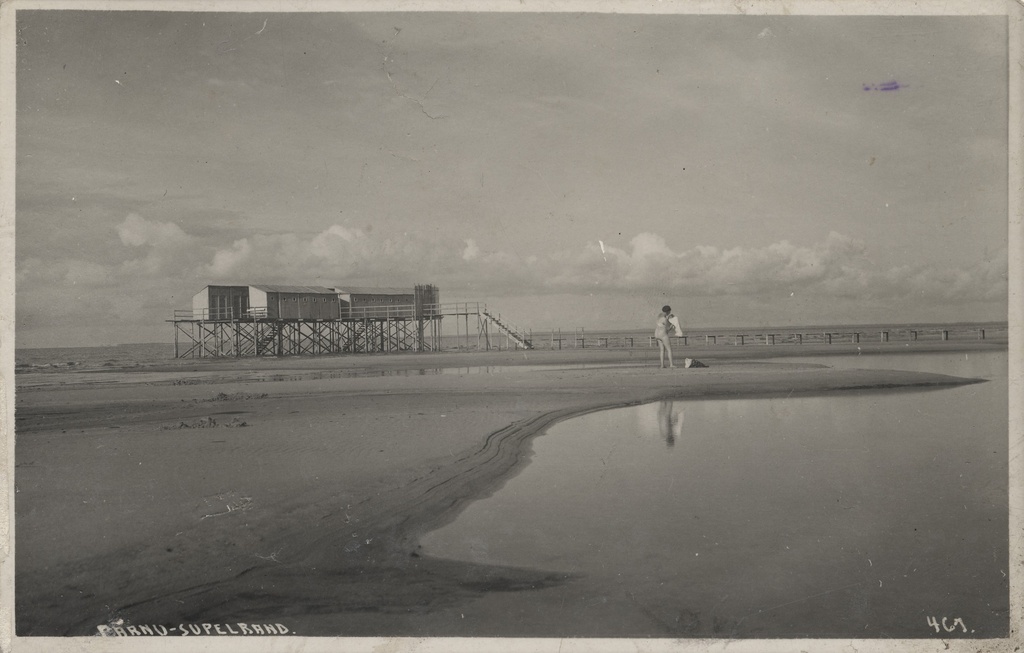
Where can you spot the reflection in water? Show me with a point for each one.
(664, 418)
(670, 421)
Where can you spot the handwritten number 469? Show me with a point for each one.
(948, 627)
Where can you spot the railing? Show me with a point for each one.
(518, 334)
(460, 308)
(747, 338)
(187, 314)
(386, 312)
(779, 336)
(394, 311)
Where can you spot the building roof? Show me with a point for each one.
(366, 290)
(321, 290)
(303, 290)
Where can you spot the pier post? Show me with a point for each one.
(945, 334)
(828, 338)
(981, 336)
(884, 336)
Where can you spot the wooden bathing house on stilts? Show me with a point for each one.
(272, 320)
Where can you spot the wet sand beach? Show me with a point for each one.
(295, 491)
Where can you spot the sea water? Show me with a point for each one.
(77, 358)
(851, 514)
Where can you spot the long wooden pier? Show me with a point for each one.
(996, 332)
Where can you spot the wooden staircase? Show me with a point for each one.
(352, 343)
(266, 341)
(516, 334)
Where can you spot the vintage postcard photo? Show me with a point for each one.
(558, 327)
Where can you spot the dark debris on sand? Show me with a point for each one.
(208, 423)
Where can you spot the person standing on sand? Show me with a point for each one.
(662, 329)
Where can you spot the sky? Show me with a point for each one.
(570, 170)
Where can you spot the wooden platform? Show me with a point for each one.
(382, 329)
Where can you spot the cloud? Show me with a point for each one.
(472, 251)
(161, 257)
(651, 264)
(136, 231)
(289, 256)
(338, 254)
(66, 272)
(985, 280)
(838, 266)
(87, 273)
(164, 247)
(167, 265)
(225, 261)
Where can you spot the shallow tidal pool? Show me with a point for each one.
(854, 514)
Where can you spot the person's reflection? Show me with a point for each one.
(670, 423)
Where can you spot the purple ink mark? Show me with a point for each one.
(885, 86)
